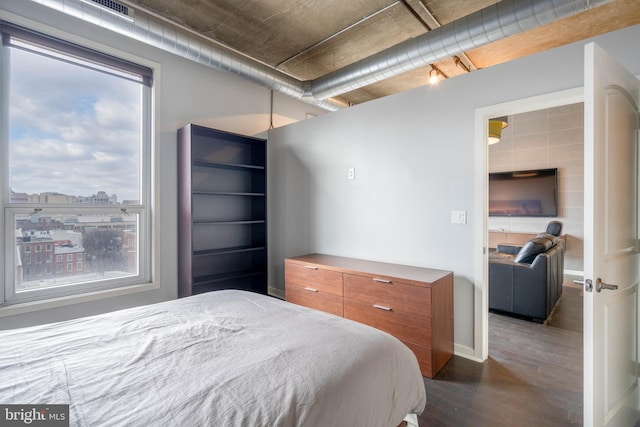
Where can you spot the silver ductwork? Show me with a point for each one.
(173, 39)
(490, 24)
(493, 23)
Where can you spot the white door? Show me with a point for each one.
(611, 242)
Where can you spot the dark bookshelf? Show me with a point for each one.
(222, 221)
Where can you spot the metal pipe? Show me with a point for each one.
(487, 25)
(490, 24)
(179, 41)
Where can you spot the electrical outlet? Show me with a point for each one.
(352, 173)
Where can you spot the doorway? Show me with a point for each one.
(529, 105)
(533, 143)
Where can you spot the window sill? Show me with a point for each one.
(12, 310)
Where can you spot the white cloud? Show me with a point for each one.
(72, 130)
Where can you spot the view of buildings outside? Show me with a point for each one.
(55, 250)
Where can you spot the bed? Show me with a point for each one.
(223, 358)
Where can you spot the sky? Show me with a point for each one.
(72, 130)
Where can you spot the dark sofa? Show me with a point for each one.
(527, 281)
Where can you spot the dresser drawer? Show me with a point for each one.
(404, 326)
(314, 298)
(425, 359)
(399, 297)
(311, 276)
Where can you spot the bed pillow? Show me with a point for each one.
(532, 248)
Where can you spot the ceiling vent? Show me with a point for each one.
(113, 6)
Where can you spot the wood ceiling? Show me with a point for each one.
(308, 39)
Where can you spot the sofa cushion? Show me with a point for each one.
(554, 239)
(499, 256)
(532, 248)
(508, 249)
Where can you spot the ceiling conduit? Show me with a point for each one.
(487, 25)
(493, 23)
(178, 41)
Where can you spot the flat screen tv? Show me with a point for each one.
(524, 193)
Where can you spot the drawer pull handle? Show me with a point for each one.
(310, 289)
(382, 307)
(310, 267)
(375, 279)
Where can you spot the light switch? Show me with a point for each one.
(458, 217)
(352, 173)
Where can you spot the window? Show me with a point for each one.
(77, 168)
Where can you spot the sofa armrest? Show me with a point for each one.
(516, 287)
(530, 290)
(508, 248)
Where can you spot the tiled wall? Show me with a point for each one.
(551, 138)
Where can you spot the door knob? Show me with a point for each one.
(600, 285)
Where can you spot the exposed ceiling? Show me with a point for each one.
(309, 39)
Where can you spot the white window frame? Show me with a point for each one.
(8, 212)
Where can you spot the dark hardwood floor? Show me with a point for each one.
(533, 376)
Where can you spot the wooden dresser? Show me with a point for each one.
(411, 303)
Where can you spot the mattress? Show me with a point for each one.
(223, 358)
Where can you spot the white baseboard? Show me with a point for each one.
(466, 352)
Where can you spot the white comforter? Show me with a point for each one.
(225, 358)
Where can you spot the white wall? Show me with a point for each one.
(185, 92)
(414, 158)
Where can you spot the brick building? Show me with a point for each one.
(41, 257)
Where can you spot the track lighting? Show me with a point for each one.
(433, 75)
